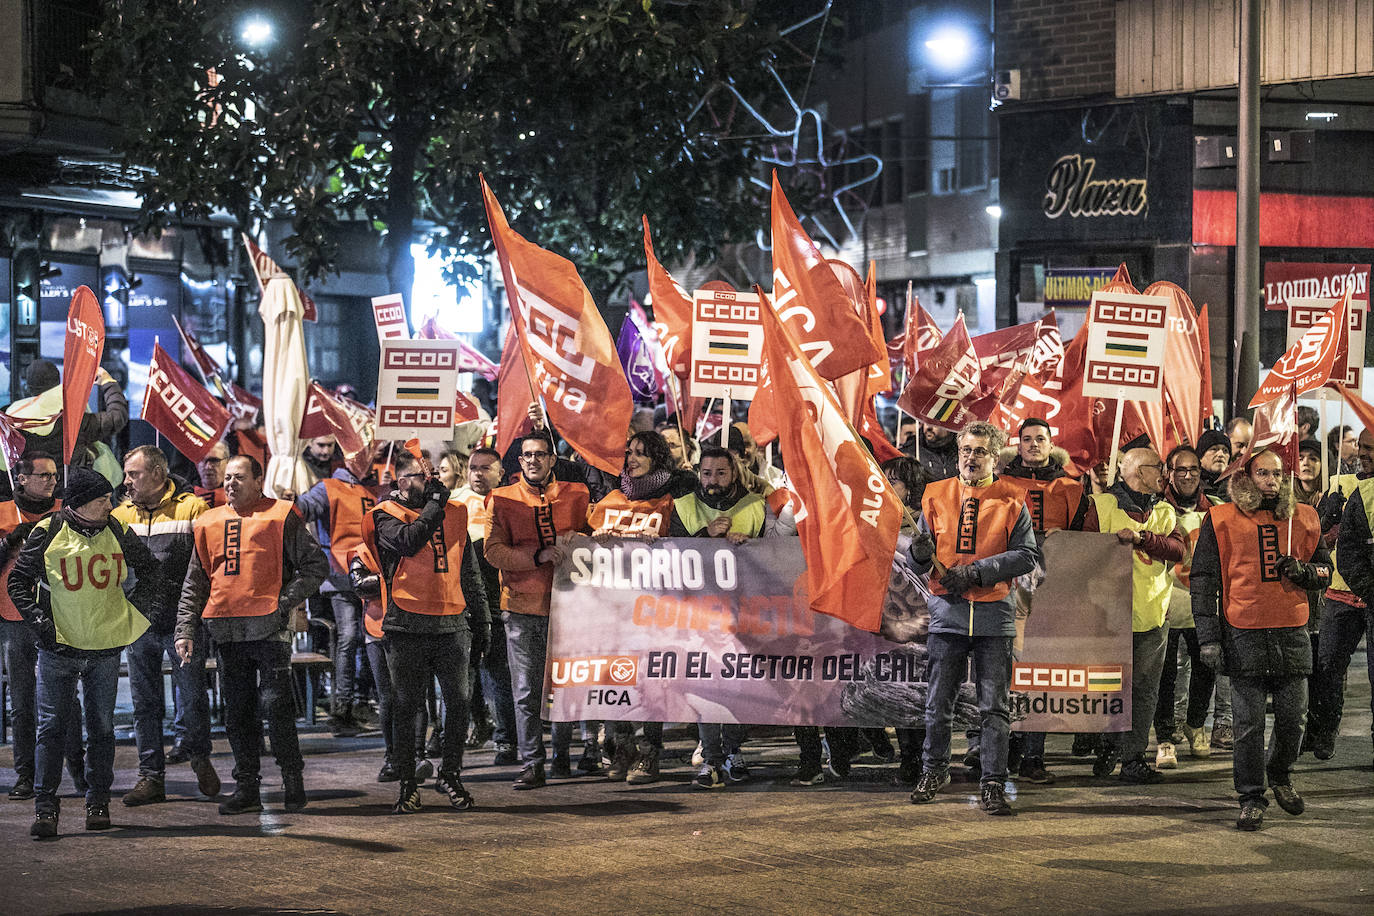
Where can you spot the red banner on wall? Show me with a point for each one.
(1286, 280)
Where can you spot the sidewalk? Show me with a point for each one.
(1083, 845)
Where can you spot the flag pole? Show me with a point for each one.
(725, 419)
(1116, 434)
(157, 436)
(1326, 463)
(1292, 485)
(677, 412)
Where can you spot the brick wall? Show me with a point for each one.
(1063, 48)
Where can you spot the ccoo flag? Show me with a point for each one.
(568, 350)
(182, 410)
(849, 515)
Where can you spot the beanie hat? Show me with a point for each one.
(84, 485)
(1210, 439)
(1310, 445)
(42, 375)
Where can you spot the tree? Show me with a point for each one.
(582, 115)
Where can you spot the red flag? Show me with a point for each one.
(12, 442)
(872, 430)
(513, 395)
(469, 358)
(849, 516)
(243, 403)
(1317, 358)
(672, 312)
(1275, 429)
(763, 418)
(922, 333)
(182, 410)
(811, 301)
(1177, 417)
(210, 371)
(948, 377)
(1362, 408)
(465, 409)
(569, 352)
(80, 361)
(264, 268)
(348, 422)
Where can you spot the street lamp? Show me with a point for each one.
(257, 32)
(951, 49)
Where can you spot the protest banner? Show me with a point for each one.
(417, 388)
(699, 630)
(1126, 341)
(181, 409)
(389, 315)
(727, 344)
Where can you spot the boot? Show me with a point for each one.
(293, 790)
(408, 802)
(246, 798)
(645, 769)
(621, 761)
(341, 724)
(207, 780)
(148, 790)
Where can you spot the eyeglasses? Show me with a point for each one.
(1193, 471)
(209, 460)
(536, 456)
(413, 476)
(1157, 467)
(980, 453)
(49, 476)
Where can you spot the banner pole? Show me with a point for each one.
(1340, 424)
(1326, 464)
(1116, 434)
(677, 412)
(725, 420)
(1292, 485)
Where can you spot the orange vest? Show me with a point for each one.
(529, 517)
(617, 514)
(242, 555)
(348, 503)
(11, 517)
(430, 582)
(1253, 593)
(1051, 503)
(971, 523)
(213, 498)
(478, 512)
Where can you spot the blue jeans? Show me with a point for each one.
(1251, 764)
(150, 708)
(949, 655)
(58, 676)
(718, 741)
(527, 640)
(21, 661)
(496, 685)
(348, 633)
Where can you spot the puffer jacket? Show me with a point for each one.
(166, 531)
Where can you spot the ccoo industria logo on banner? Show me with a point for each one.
(1071, 190)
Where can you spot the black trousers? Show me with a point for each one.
(259, 667)
(414, 659)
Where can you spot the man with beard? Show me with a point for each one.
(1133, 509)
(939, 452)
(1053, 498)
(1249, 600)
(1214, 453)
(1344, 611)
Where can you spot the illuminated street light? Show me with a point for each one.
(994, 210)
(950, 48)
(256, 32)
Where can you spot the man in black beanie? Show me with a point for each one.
(1214, 453)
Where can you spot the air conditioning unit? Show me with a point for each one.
(1006, 85)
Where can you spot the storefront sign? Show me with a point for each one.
(1071, 190)
(1285, 281)
(1073, 287)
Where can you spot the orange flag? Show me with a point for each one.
(809, 299)
(849, 516)
(672, 312)
(1315, 359)
(513, 395)
(1187, 372)
(81, 354)
(570, 354)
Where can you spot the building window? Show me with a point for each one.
(894, 171)
(972, 143)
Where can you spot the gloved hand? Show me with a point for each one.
(481, 641)
(45, 631)
(435, 490)
(922, 548)
(959, 579)
(1211, 655)
(1290, 568)
(365, 582)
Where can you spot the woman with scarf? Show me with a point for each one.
(641, 507)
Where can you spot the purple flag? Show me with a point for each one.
(637, 358)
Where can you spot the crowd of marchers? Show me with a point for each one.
(1251, 588)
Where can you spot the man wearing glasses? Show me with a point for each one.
(210, 469)
(1134, 510)
(975, 537)
(527, 519)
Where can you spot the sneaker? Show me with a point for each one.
(147, 791)
(1084, 745)
(698, 755)
(1032, 769)
(207, 780)
(388, 773)
(1165, 758)
(1198, 745)
(44, 826)
(246, 798)
(1323, 746)
(621, 761)
(98, 817)
(1139, 772)
(928, 786)
(808, 776)
(1251, 816)
(505, 756)
(560, 768)
(458, 797)
(1107, 757)
(293, 791)
(589, 764)
(1223, 739)
(531, 777)
(993, 799)
(408, 801)
(23, 788)
(735, 768)
(423, 770)
(645, 769)
(1289, 799)
(908, 771)
(176, 755)
(709, 777)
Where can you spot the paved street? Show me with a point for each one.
(1081, 846)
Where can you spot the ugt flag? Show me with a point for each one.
(80, 362)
